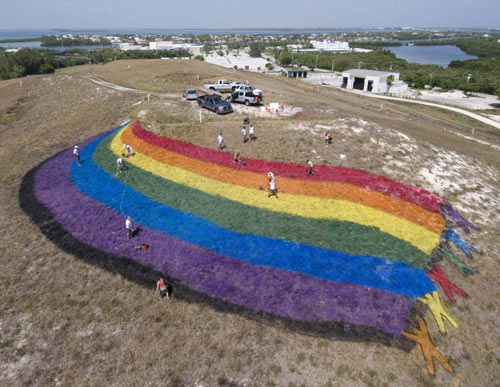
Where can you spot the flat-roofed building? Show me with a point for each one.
(368, 80)
(330, 45)
(130, 46)
(195, 49)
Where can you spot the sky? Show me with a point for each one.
(218, 14)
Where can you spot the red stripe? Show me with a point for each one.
(411, 194)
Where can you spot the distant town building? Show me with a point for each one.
(330, 45)
(368, 80)
(195, 49)
(130, 46)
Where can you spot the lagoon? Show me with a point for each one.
(438, 55)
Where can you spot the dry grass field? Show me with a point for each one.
(65, 321)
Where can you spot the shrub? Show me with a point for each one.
(46, 69)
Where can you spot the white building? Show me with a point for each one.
(130, 46)
(330, 45)
(368, 80)
(194, 49)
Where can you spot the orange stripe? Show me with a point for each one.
(432, 221)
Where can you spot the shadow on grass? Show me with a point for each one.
(146, 276)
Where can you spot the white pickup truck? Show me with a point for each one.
(222, 85)
(246, 87)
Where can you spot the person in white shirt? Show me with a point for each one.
(252, 133)
(244, 133)
(129, 226)
(119, 164)
(310, 168)
(272, 189)
(127, 149)
(76, 153)
(220, 142)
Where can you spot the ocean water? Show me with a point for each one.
(438, 55)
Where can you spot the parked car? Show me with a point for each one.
(243, 87)
(222, 85)
(246, 97)
(215, 103)
(190, 94)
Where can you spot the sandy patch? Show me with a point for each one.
(457, 97)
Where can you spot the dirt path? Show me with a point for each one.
(123, 88)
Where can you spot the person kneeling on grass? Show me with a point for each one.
(163, 289)
(237, 159)
(128, 149)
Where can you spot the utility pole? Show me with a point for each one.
(333, 64)
(316, 61)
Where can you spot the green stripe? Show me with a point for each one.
(346, 237)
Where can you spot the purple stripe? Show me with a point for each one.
(288, 294)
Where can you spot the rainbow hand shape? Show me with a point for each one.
(341, 246)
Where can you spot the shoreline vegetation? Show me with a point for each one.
(25, 40)
(473, 75)
(51, 41)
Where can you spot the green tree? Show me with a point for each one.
(285, 58)
(255, 50)
(390, 81)
(29, 59)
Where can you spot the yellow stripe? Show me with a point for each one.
(299, 205)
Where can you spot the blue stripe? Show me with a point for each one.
(370, 271)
